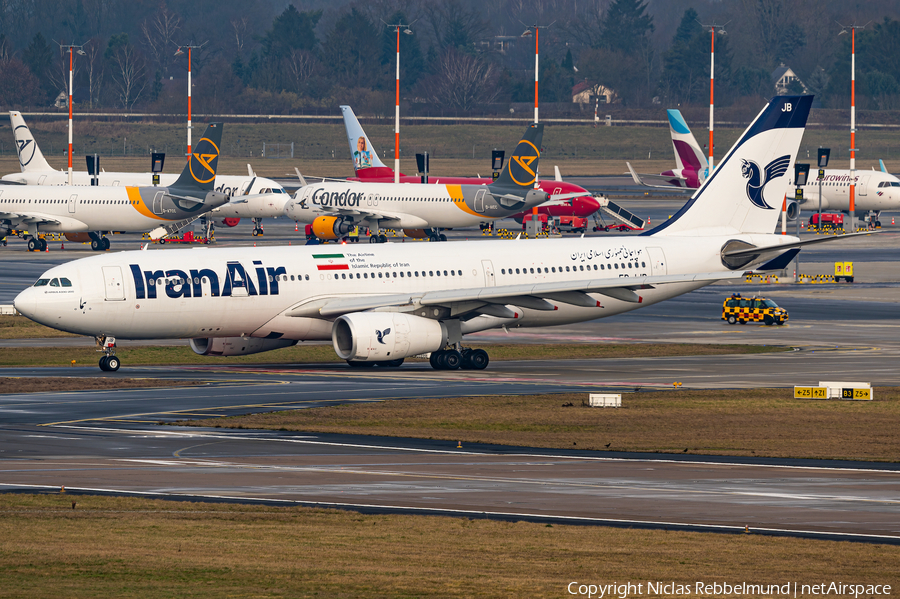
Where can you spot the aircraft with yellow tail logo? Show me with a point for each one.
(88, 213)
(334, 208)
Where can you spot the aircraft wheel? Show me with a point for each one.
(442, 237)
(477, 359)
(391, 363)
(732, 320)
(373, 239)
(103, 364)
(382, 239)
(435, 359)
(451, 359)
(255, 232)
(112, 363)
(32, 244)
(106, 243)
(97, 245)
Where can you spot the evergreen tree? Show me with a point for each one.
(625, 27)
(291, 30)
(352, 50)
(412, 63)
(38, 57)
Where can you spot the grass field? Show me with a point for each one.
(322, 149)
(58, 383)
(741, 422)
(121, 547)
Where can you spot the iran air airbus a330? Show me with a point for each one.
(94, 211)
(252, 197)
(334, 208)
(383, 303)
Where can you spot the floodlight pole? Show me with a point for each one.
(179, 52)
(712, 79)
(537, 35)
(71, 48)
(407, 31)
(852, 207)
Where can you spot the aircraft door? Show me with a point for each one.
(157, 202)
(374, 199)
(479, 200)
(115, 289)
(42, 179)
(657, 261)
(863, 186)
(488, 273)
(72, 199)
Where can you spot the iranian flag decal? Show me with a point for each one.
(331, 262)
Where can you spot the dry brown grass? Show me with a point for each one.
(61, 383)
(758, 422)
(19, 327)
(121, 547)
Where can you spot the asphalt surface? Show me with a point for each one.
(117, 442)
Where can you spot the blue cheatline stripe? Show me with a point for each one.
(773, 117)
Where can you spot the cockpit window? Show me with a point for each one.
(64, 282)
(54, 283)
(895, 183)
(41, 282)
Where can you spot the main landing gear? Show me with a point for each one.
(98, 242)
(257, 227)
(453, 359)
(436, 235)
(378, 238)
(109, 362)
(36, 244)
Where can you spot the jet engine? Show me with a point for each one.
(384, 336)
(793, 210)
(226, 222)
(236, 346)
(330, 227)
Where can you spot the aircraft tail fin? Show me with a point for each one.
(744, 193)
(521, 169)
(30, 156)
(366, 162)
(200, 171)
(688, 153)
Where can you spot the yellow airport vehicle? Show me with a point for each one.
(737, 309)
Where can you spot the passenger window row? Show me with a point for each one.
(402, 275)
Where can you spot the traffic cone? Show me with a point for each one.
(295, 227)
(892, 220)
(62, 246)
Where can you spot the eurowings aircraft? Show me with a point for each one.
(384, 303)
(94, 211)
(334, 208)
(570, 199)
(259, 197)
(691, 165)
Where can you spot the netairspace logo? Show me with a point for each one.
(625, 590)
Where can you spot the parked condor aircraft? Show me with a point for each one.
(94, 211)
(334, 208)
(568, 199)
(382, 304)
(876, 191)
(261, 197)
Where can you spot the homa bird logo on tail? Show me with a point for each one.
(755, 187)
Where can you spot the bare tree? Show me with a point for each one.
(301, 64)
(159, 32)
(94, 68)
(239, 29)
(462, 81)
(129, 75)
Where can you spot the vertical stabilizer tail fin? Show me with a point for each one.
(361, 149)
(744, 193)
(521, 169)
(688, 153)
(200, 171)
(30, 157)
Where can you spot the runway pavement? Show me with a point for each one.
(112, 441)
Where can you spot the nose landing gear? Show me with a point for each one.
(109, 362)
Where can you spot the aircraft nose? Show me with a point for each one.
(590, 203)
(26, 303)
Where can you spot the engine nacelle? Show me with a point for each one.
(330, 227)
(381, 336)
(236, 346)
(793, 209)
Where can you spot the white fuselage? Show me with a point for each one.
(253, 292)
(404, 205)
(875, 191)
